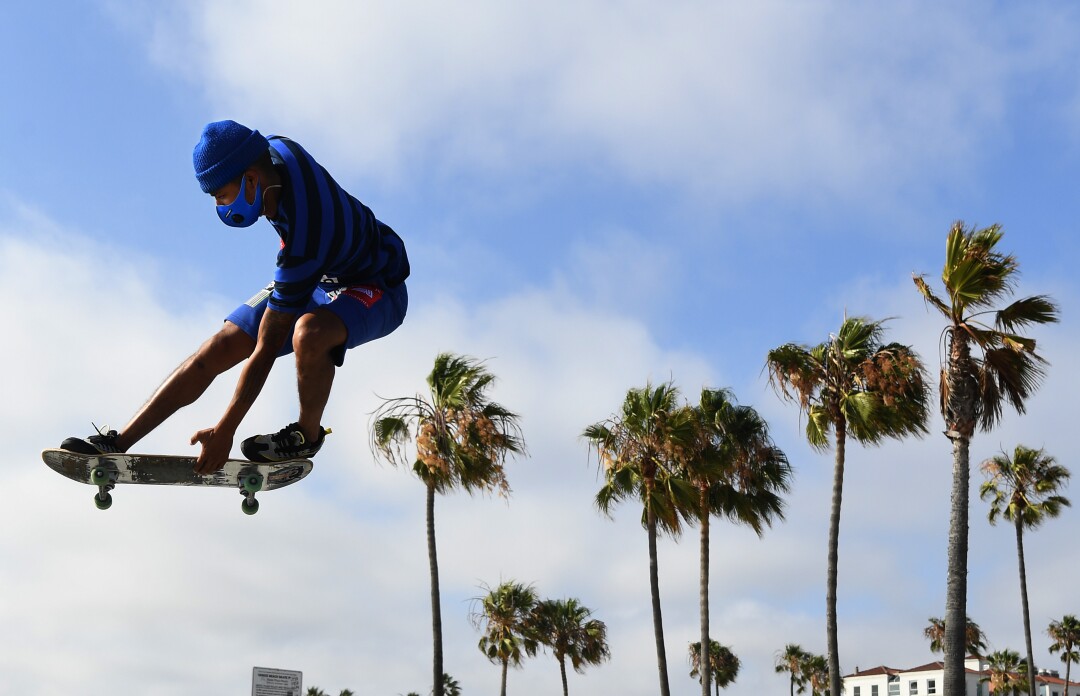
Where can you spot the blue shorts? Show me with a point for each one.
(367, 311)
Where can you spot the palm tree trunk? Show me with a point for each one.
(505, 665)
(956, 581)
(835, 682)
(706, 665)
(658, 621)
(562, 672)
(1024, 604)
(963, 393)
(1068, 668)
(436, 610)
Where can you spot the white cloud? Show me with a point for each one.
(728, 99)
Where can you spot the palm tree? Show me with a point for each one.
(639, 450)
(565, 626)
(985, 367)
(852, 384)
(504, 617)
(723, 664)
(974, 638)
(1024, 490)
(1006, 673)
(451, 687)
(815, 668)
(461, 439)
(1066, 636)
(738, 473)
(792, 660)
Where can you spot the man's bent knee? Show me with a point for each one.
(318, 333)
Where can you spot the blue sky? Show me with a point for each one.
(593, 195)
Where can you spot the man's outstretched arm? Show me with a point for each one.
(217, 441)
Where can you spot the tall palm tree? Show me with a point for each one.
(1024, 490)
(854, 385)
(792, 660)
(738, 473)
(816, 671)
(974, 638)
(504, 617)
(565, 626)
(462, 440)
(1007, 673)
(723, 664)
(985, 366)
(640, 450)
(1066, 636)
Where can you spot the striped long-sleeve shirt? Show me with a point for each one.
(327, 236)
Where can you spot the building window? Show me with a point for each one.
(913, 688)
(873, 690)
(931, 686)
(857, 691)
(894, 688)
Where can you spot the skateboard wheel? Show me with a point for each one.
(99, 476)
(253, 483)
(250, 507)
(103, 502)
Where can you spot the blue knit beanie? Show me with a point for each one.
(224, 151)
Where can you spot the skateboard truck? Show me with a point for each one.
(250, 483)
(105, 480)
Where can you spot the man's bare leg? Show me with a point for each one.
(222, 351)
(316, 335)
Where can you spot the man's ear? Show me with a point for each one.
(251, 178)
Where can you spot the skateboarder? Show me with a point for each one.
(340, 282)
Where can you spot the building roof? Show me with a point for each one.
(874, 671)
(939, 666)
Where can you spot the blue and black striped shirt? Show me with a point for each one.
(327, 236)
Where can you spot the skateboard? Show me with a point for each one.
(107, 470)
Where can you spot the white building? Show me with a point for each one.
(929, 680)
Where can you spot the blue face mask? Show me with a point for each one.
(240, 213)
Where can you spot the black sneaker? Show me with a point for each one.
(287, 443)
(102, 442)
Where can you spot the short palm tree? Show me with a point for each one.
(853, 385)
(986, 365)
(723, 664)
(640, 450)
(504, 615)
(462, 440)
(566, 626)
(1024, 489)
(816, 671)
(738, 473)
(451, 687)
(1066, 636)
(1007, 673)
(975, 639)
(792, 660)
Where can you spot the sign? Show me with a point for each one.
(276, 682)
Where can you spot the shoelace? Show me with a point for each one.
(105, 439)
(290, 436)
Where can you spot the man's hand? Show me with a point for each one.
(216, 446)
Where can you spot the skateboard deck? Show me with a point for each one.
(107, 470)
